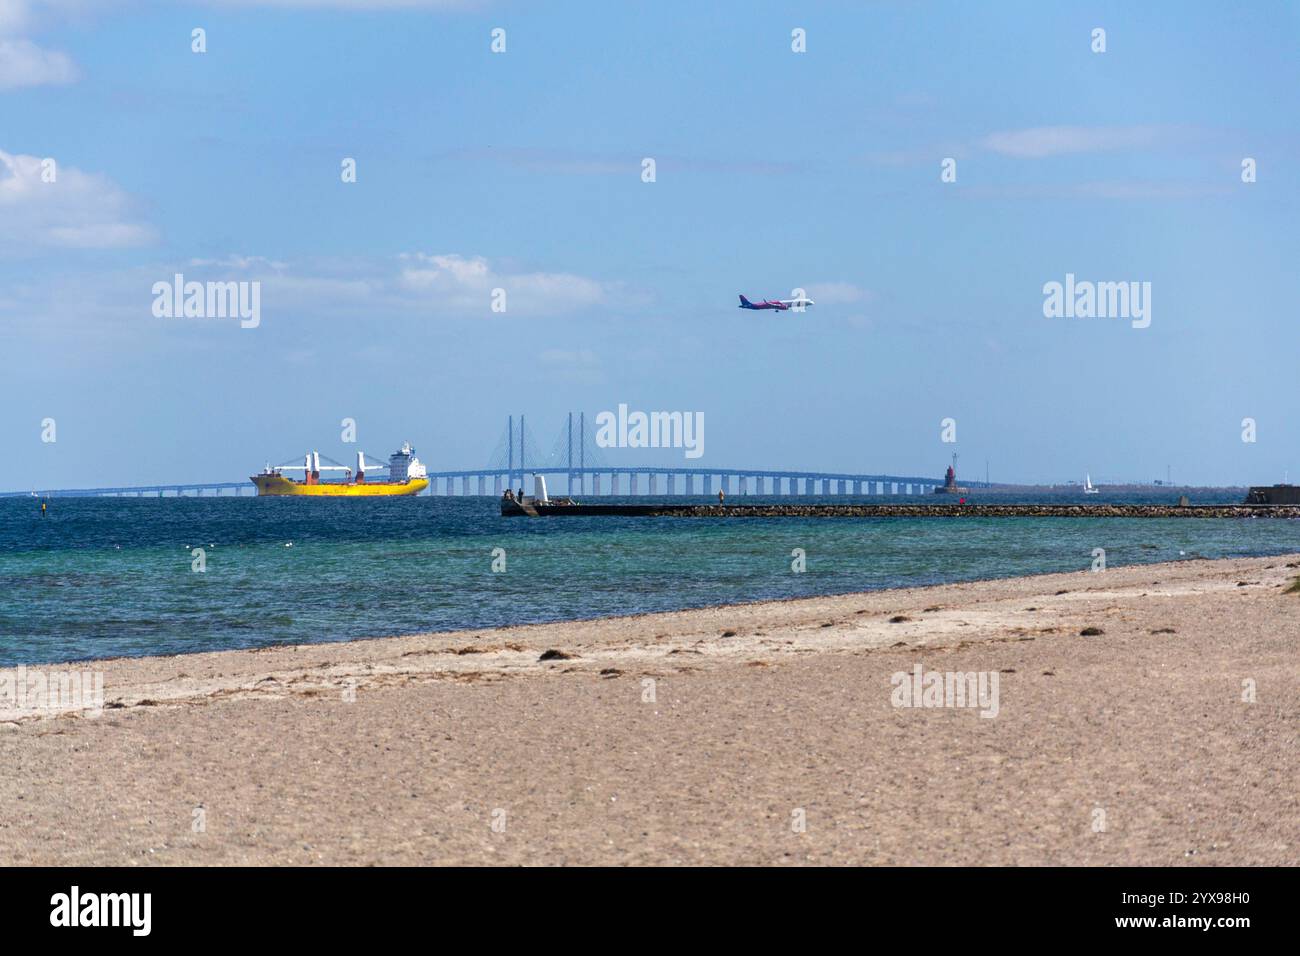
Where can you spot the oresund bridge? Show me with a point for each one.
(575, 464)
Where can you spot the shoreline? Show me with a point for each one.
(81, 661)
(398, 749)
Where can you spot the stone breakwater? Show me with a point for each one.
(954, 510)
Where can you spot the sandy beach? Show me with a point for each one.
(753, 734)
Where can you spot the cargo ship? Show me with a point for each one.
(406, 476)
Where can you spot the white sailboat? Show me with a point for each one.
(1088, 489)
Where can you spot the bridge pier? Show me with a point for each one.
(631, 483)
(650, 482)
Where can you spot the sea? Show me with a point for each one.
(113, 577)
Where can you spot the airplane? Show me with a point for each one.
(781, 305)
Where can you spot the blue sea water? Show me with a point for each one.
(107, 577)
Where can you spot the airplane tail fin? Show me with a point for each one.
(745, 302)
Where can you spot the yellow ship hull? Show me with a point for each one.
(280, 485)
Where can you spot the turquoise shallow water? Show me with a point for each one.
(105, 577)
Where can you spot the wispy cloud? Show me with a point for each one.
(109, 310)
(57, 205)
(1040, 142)
(468, 284)
(1043, 142)
(23, 63)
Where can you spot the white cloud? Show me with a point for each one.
(467, 284)
(113, 304)
(1040, 142)
(15, 17)
(76, 210)
(243, 263)
(22, 62)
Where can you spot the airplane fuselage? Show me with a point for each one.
(780, 305)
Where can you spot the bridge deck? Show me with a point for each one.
(490, 477)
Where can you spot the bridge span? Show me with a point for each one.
(602, 481)
(575, 465)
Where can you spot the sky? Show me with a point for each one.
(774, 170)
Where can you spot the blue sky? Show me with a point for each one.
(775, 170)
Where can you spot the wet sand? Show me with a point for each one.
(707, 737)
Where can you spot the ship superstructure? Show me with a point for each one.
(405, 475)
